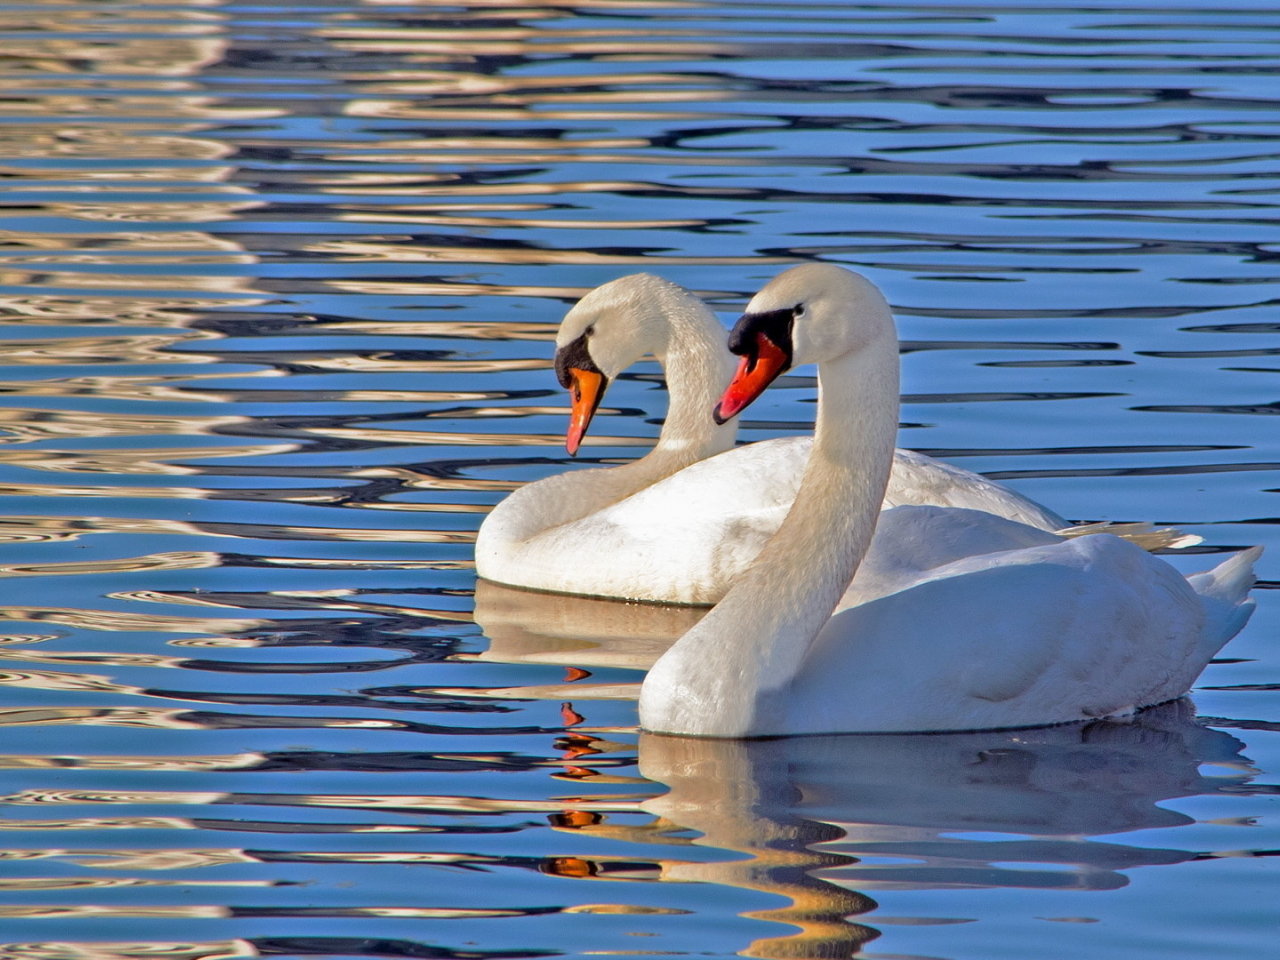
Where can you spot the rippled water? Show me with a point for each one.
(277, 285)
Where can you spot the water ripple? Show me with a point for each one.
(278, 287)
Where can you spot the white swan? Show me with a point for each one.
(1060, 631)
(681, 523)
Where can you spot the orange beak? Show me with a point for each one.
(756, 370)
(586, 387)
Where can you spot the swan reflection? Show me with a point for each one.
(528, 627)
(824, 816)
(828, 820)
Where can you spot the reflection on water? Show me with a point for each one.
(524, 626)
(826, 819)
(278, 286)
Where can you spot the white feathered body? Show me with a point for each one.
(1056, 632)
(956, 619)
(686, 538)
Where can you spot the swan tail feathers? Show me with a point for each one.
(1145, 535)
(1224, 590)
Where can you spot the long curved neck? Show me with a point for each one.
(698, 367)
(729, 676)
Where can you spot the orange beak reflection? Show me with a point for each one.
(756, 371)
(586, 388)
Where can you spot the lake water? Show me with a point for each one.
(278, 284)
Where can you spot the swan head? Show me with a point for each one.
(606, 331)
(808, 314)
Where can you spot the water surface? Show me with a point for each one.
(278, 284)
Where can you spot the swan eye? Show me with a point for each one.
(590, 331)
(798, 310)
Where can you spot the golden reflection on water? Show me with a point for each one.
(524, 626)
(244, 761)
(373, 564)
(52, 912)
(36, 884)
(235, 825)
(101, 911)
(106, 659)
(125, 106)
(118, 823)
(404, 213)
(125, 281)
(163, 719)
(131, 461)
(177, 560)
(462, 329)
(407, 803)
(63, 680)
(63, 490)
(488, 157)
(65, 529)
(115, 621)
(22, 425)
(516, 255)
(193, 179)
(179, 246)
(450, 187)
(356, 363)
(61, 530)
(153, 348)
(150, 311)
(121, 211)
(120, 141)
(466, 111)
(173, 56)
(170, 859)
(362, 249)
(107, 950)
(429, 438)
(143, 717)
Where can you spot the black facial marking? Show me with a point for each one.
(576, 355)
(775, 325)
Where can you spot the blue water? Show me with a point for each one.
(278, 285)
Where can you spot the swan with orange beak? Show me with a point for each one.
(763, 341)
(682, 522)
(577, 372)
(855, 618)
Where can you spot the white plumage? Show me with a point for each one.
(680, 524)
(963, 621)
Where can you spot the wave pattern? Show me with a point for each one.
(277, 290)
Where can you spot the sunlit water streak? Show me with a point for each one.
(277, 286)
